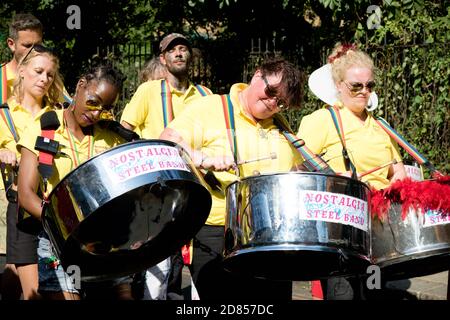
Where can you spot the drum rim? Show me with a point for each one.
(297, 173)
(67, 176)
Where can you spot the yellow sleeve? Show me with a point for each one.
(314, 130)
(190, 124)
(6, 138)
(136, 111)
(28, 139)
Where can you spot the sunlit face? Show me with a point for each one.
(38, 75)
(261, 105)
(25, 40)
(93, 100)
(177, 59)
(356, 77)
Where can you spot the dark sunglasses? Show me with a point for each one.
(271, 92)
(356, 87)
(38, 48)
(92, 104)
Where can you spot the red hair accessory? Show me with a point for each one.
(343, 50)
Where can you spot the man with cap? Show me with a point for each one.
(156, 103)
(153, 106)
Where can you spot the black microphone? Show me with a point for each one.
(49, 121)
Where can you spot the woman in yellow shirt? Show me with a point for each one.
(351, 73)
(96, 93)
(35, 91)
(203, 132)
(347, 83)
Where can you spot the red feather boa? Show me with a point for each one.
(424, 195)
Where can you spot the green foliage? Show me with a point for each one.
(408, 39)
(415, 96)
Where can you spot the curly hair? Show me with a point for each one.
(345, 56)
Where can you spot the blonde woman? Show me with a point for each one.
(37, 88)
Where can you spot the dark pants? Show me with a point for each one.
(215, 283)
(21, 247)
(174, 291)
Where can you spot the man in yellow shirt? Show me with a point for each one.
(202, 131)
(24, 31)
(157, 102)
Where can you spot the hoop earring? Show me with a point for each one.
(373, 102)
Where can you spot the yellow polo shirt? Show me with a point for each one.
(145, 113)
(203, 126)
(102, 139)
(368, 145)
(22, 118)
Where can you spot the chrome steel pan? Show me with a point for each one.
(413, 247)
(297, 226)
(126, 209)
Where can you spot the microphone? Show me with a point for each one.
(49, 122)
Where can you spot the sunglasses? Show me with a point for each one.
(92, 104)
(38, 48)
(356, 87)
(271, 92)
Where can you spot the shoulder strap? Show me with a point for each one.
(4, 84)
(336, 116)
(166, 99)
(313, 162)
(202, 90)
(408, 147)
(228, 113)
(6, 115)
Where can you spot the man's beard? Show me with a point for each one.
(179, 72)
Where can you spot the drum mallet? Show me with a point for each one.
(272, 156)
(377, 168)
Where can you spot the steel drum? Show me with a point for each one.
(413, 247)
(297, 226)
(126, 209)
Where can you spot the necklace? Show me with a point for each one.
(73, 146)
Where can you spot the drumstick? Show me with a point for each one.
(378, 168)
(272, 156)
